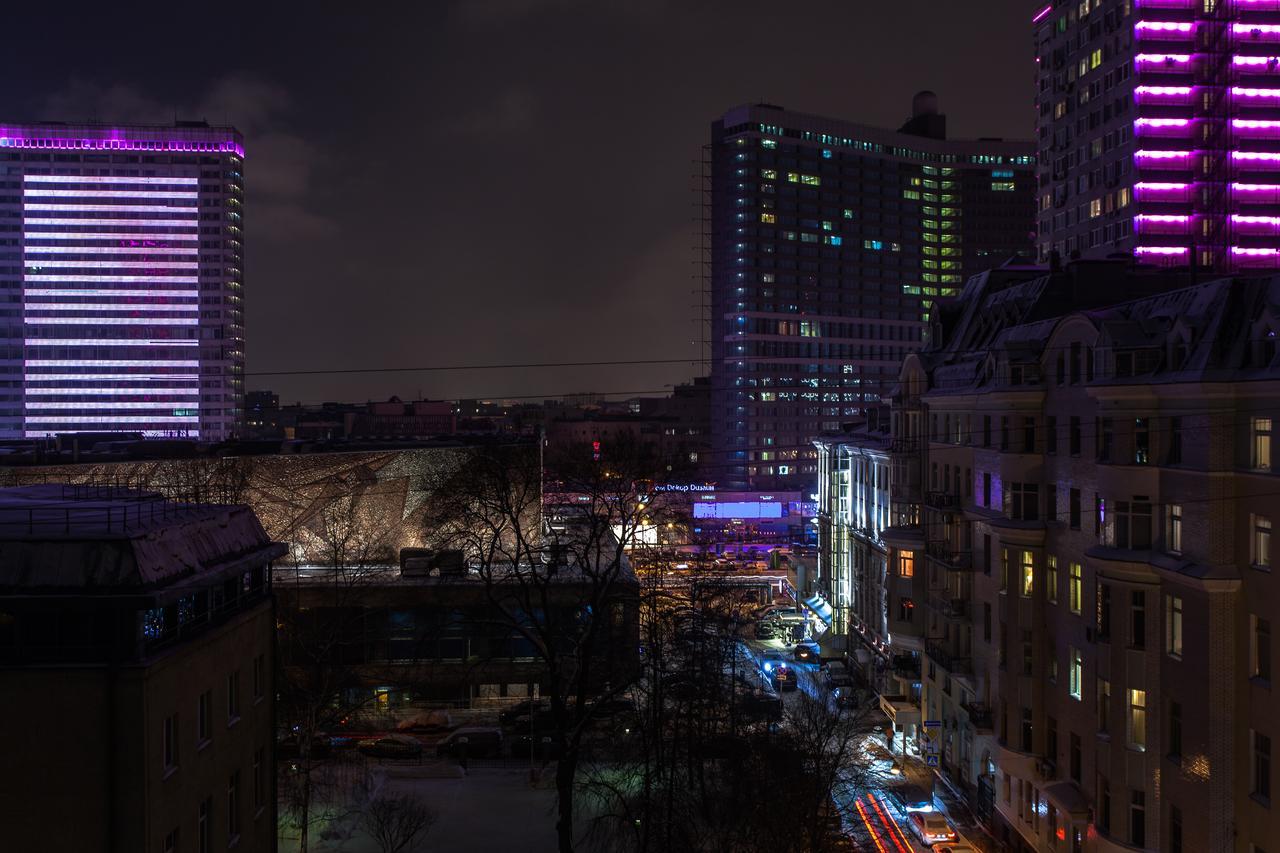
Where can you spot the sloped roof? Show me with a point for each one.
(60, 538)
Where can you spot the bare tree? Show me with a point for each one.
(397, 824)
(322, 681)
(557, 574)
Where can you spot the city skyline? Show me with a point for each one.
(498, 221)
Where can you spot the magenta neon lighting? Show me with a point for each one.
(108, 208)
(109, 377)
(110, 419)
(1164, 26)
(1160, 187)
(115, 143)
(1248, 92)
(1181, 219)
(104, 179)
(1162, 58)
(1161, 250)
(1265, 156)
(1255, 188)
(131, 239)
(111, 362)
(48, 193)
(112, 392)
(1163, 90)
(1254, 253)
(1042, 14)
(1162, 122)
(110, 250)
(123, 279)
(101, 291)
(135, 405)
(55, 263)
(111, 321)
(1250, 29)
(1239, 219)
(110, 342)
(111, 306)
(1162, 155)
(1254, 61)
(66, 222)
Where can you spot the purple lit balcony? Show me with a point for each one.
(1255, 257)
(1165, 95)
(1179, 31)
(1246, 128)
(1245, 193)
(1163, 255)
(1173, 128)
(1159, 223)
(1164, 62)
(1255, 225)
(1262, 33)
(1256, 5)
(1256, 65)
(1168, 4)
(1262, 161)
(1165, 161)
(1249, 96)
(1162, 191)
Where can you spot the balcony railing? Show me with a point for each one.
(905, 666)
(951, 608)
(944, 658)
(981, 716)
(943, 552)
(905, 445)
(943, 500)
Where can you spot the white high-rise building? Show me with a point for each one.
(126, 313)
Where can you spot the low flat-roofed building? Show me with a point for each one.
(136, 672)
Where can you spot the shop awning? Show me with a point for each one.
(819, 606)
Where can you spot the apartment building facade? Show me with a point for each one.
(1095, 591)
(828, 243)
(124, 307)
(1159, 131)
(136, 661)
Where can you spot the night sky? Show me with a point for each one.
(496, 181)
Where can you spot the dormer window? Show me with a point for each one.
(1124, 364)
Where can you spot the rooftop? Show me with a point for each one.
(57, 537)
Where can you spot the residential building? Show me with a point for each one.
(1158, 131)
(829, 241)
(127, 311)
(143, 631)
(1095, 510)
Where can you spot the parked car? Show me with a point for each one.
(539, 721)
(913, 798)
(784, 678)
(392, 746)
(522, 708)
(770, 659)
(807, 651)
(428, 721)
(768, 629)
(289, 746)
(473, 742)
(543, 746)
(615, 707)
(931, 828)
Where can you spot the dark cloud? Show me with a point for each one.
(493, 181)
